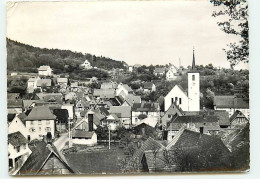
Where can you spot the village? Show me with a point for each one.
(80, 127)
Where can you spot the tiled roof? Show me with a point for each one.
(159, 70)
(43, 68)
(104, 93)
(82, 134)
(148, 85)
(131, 99)
(62, 80)
(145, 107)
(236, 114)
(124, 111)
(38, 158)
(230, 102)
(103, 111)
(14, 103)
(41, 82)
(51, 97)
(10, 117)
(28, 103)
(40, 113)
(149, 144)
(16, 139)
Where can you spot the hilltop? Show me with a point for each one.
(26, 58)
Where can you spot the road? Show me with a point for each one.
(61, 141)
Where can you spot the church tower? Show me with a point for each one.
(194, 87)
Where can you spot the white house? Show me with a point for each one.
(231, 104)
(123, 90)
(39, 122)
(186, 101)
(123, 113)
(62, 81)
(172, 73)
(17, 125)
(18, 151)
(32, 84)
(86, 65)
(150, 110)
(45, 71)
(149, 87)
(83, 133)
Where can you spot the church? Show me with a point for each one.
(187, 101)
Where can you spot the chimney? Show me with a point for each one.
(201, 130)
(90, 121)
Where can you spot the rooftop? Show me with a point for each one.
(40, 113)
(16, 139)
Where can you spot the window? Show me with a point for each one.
(172, 100)
(193, 77)
(18, 149)
(179, 100)
(176, 99)
(48, 129)
(32, 130)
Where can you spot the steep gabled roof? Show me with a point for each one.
(121, 111)
(39, 157)
(16, 139)
(149, 144)
(230, 102)
(40, 113)
(236, 114)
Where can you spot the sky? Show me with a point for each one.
(137, 32)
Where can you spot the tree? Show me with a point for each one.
(236, 23)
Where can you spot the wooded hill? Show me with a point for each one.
(25, 58)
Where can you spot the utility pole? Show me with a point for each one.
(69, 135)
(109, 136)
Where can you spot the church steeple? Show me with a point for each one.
(193, 61)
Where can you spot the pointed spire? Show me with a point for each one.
(193, 61)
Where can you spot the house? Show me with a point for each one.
(172, 111)
(62, 82)
(29, 104)
(130, 99)
(123, 90)
(207, 124)
(172, 73)
(238, 120)
(159, 71)
(186, 152)
(18, 151)
(150, 110)
(104, 93)
(108, 85)
(32, 84)
(14, 103)
(83, 133)
(147, 127)
(112, 121)
(16, 124)
(130, 68)
(86, 65)
(123, 113)
(44, 71)
(70, 97)
(43, 83)
(189, 101)
(45, 159)
(50, 97)
(39, 122)
(149, 87)
(231, 104)
(74, 86)
(80, 106)
(70, 109)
